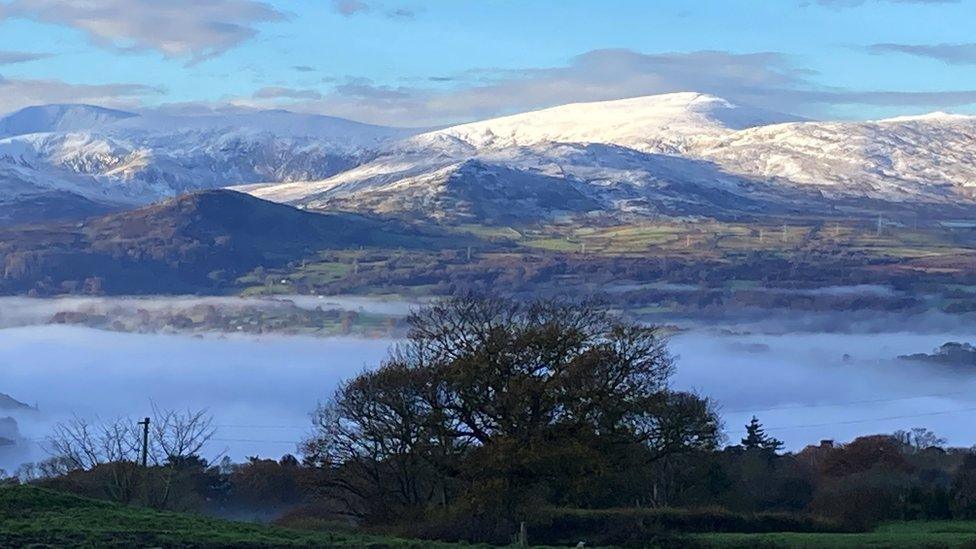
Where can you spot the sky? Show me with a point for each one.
(433, 62)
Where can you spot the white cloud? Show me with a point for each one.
(766, 79)
(951, 54)
(277, 92)
(597, 75)
(190, 29)
(19, 93)
(11, 57)
(349, 7)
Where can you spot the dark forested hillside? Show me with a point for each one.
(193, 243)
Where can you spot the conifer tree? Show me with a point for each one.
(757, 439)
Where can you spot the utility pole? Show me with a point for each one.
(145, 441)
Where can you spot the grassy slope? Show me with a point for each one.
(37, 517)
(895, 535)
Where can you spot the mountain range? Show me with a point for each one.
(674, 154)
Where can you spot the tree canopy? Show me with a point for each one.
(496, 402)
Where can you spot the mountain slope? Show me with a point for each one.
(929, 158)
(674, 154)
(122, 159)
(58, 118)
(197, 242)
(538, 184)
(470, 190)
(659, 123)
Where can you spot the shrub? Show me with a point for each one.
(641, 526)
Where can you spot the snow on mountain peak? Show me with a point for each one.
(58, 118)
(679, 152)
(661, 123)
(347, 134)
(937, 116)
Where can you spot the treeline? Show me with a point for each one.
(495, 418)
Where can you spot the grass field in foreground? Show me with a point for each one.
(921, 534)
(35, 517)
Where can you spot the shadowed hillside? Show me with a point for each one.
(194, 243)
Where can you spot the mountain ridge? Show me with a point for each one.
(690, 156)
(724, 157)
(134, 160)
(58, 117)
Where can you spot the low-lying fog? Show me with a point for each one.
(810, 386)
(260, 390)
(25, 311)
(805, 385)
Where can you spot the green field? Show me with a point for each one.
(717, 255)
(717, 238)
(896, 535)
(35, 517)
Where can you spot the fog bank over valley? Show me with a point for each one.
(27, 311)
(804, 376)
(259, 390)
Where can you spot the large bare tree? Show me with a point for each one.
(489, 391)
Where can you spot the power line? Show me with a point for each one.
(866, 420)
(779, 428)
(803, 426)
(263, 426)
(830, 404)
(254, 440)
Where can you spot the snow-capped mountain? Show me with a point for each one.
(124, 159)
(669, 123)
(672, 154)
(578, 178)
(683, 153)
(930, 158)
(58, 118)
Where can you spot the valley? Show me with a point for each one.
(809, 376)
(223, 243)
(671, 267)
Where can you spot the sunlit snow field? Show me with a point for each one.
(260, 389)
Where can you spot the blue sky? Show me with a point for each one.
(415, 62)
